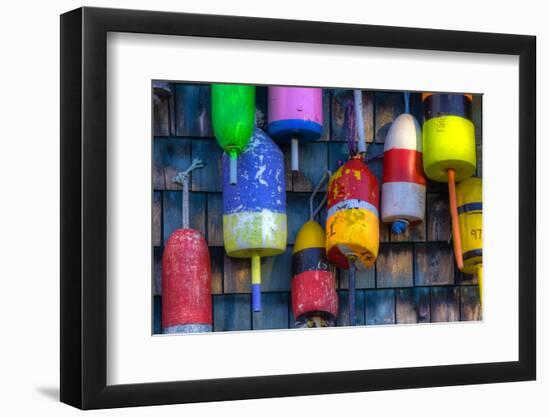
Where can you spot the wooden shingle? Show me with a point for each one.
(438, 220)
(232, 312)
(445, 304)
(157, 218)
(470, 307)
(208, 178)
(157, 314)
(412, 305)
(277, 271)
(176, 157)
(236, 275)
(193, 110)
(158, 173)
(214, 220)
(297, 214)
(343, 313)
(162, 114)
(216, 269)
(380, 307)
(434, 264)
(387, 106)
(172, 212)
(343, 115)
(394, 266)
(157, 271)
(313, 166)
(274, 314)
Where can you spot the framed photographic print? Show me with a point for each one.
(258, 208)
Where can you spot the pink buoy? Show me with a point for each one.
(295, 113)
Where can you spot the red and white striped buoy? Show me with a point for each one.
(403, 180)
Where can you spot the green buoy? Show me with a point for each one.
(233, 112)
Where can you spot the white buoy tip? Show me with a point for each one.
(294, 154)
(233, 170)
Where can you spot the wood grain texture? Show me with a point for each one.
(364, 278)
(437, 217)
(232, 312)
(297, 208)
(157, 314)
(412, 305)
(236, 275)
(394, 266)
(445, 304)
(462, 278)
(274, 314)
(380, 307)
(208, 178)
(176, 157)
(375, 162)
(214, 219)
(479, 166)
(414, 233)
(157, 271)
(261, 108)
(343, 312)
(327, 114)
(416, 107)
(172, 212)
(277, 271)
(343, 115)
(157, 218)
(285, 147)
(157, 172)
(313, 166)
(470, 307)
(476, 117)
(387, 106)
(338, 155)
(193, 112)
(216, 268)
(434, 264)
(161, 115)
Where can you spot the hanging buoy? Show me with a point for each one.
(449, 147)
(254, 210)
(233, 112)
(470, 221)
(295, 113)
(313, 287)
(403, 182)
(352, 221)
(186, 278)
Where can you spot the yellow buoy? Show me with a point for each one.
(470, 221)
(449, 147)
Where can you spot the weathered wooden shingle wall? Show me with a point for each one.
(415, 279)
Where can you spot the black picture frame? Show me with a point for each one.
(84, 207)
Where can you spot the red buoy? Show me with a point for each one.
(186, 276)
(186, 283)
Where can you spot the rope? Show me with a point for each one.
(358, 105)
(183, 179)
(313, 213)
(407, 96)
(350, 131)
